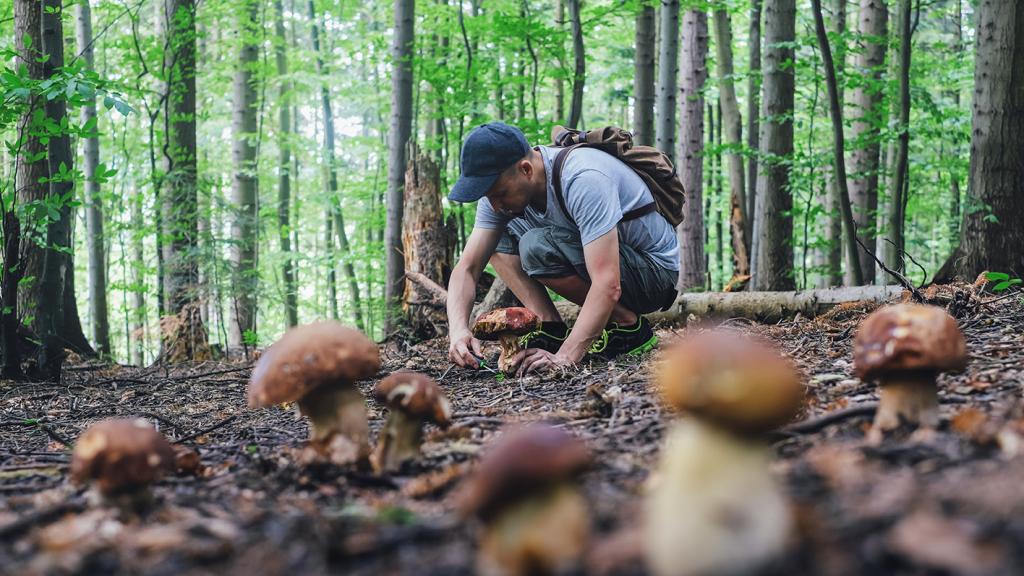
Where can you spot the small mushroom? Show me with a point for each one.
(122, 457)
(904, 347)
(316, 366)
(413, 399)
(506, 325)
(534, 518)
(716, 508)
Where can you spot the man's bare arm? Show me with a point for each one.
(602, 260)
(462, 289)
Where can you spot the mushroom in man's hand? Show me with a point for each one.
(412, 399)
(317, 366)
(506, 325)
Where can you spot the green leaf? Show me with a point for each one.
(994, 276)
(123, 107)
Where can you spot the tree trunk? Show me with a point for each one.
(694, 73)
(832, 253)
(334, 211)
(991, 237)
(138, 312)
(284, 182)
(753, 118)
(731, 135)
(838, 156)
(401, 127)
(668, 79)
(243, 188)
(93, 203)
(425, 242)
(868, 114)
(559, 82)
(898, 193)
(643, 77)
(773, 260)
(579, 77)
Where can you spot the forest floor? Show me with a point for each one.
(952, 505)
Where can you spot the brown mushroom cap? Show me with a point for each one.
(522, 461)
(505, 321)
(733, 380)
(121, 455)
(416, 395)
(908, 338)
(310, 356)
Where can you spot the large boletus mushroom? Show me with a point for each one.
(534, 519)
(316, 366)
(506, 325)
(716, 508)
(122, 457)
(413, 399)
(904, 347)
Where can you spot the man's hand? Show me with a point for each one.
(462, 348)
(537, 360)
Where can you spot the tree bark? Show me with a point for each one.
(95, 240)
(991, 237)
(559, 82)
(831, 255)
(643, 77)
(243, 188)
(772, 268)
(694, 73)
(401, 127)
(284, 183)
(732, 136)
(753, 118)
(868, 114)
(838, 156)
(898, 195)
(579, 77)
(668, 79)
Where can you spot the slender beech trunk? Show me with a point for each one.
(284, 182)
(643, 77)
(243, 186)
(838, 144)
(954, 176)
(668, 79)
(773, 260)
(753, 118)
(579, 77)
(138, 312)
(694, 73)
(95, 239)
(900, 187)
(831, 255)
(401, 128)
(559, 81)
(732, 136)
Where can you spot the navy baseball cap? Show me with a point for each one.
(488, 151)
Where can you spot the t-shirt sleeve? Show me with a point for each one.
(593, 201)
(487, 218)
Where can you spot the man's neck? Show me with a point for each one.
(539, 202)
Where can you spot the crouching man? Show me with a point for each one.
(580, 246)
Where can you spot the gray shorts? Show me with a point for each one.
(552, 252)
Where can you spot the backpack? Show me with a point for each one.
(649, 163)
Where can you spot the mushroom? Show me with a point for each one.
(535, 520)
(122, 457)
(715, 508)
(413, 399)
(316, 366)
(903, 347)
(506, 325)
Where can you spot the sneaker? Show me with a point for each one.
(550, 337)
(616, 340)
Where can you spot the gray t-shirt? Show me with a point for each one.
(598, 189)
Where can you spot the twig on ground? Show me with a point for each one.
(206, 430)
(899, 277)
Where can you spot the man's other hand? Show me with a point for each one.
(537, 360)
(463, 350)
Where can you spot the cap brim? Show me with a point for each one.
(471, 188)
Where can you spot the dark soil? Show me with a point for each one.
(954, 504)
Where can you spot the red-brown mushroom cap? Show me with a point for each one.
(307, 357)
(416, 395)
(733, 380)
(521, 462)
(121, 455)
(908, 338)
(505, 321)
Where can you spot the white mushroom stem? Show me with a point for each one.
(544, 534)
(715, 508)
(911, 397)
(509, 348)
(399, 441)
(337, 410)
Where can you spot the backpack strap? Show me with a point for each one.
(556, 176)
